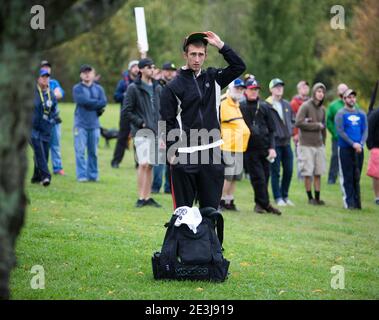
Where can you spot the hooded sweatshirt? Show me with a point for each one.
(309, 119)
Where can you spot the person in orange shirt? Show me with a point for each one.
(235, 135)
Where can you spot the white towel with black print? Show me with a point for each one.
(189, 216)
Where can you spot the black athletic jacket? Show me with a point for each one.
(138, 107)
(188, 102)
(260, 123)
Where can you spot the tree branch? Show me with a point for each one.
(79, 18)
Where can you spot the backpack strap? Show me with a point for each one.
(169, 247)
(216, 216)
(168, 226)
(171, 222)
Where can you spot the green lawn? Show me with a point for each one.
(93, 243)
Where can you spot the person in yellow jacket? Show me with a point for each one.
(235, 134)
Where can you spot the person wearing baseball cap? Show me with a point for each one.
(44, 115)
(84, 68)
(235, 134)
(169, 71)
(191, 102)
(248, 76)
(141, 105)
(132, 64)
(44, 73)
(45, 63)
(195, 37)
(252, 83)
(352, 131)
(145, 62)
(90, 100)
(122, 143)
(346, 94)
(55, 140)
(275, 83)
(284, 119)
(261, 146)
(169, 66)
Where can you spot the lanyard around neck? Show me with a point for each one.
(46, 106)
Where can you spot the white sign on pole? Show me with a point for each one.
(141, 29)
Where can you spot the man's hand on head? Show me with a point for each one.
(214, 40)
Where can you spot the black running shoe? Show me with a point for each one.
(45, 182)
(259, 209)
(273, 210)
(140, 203)
(320, 202)
(151, 202)
(35, 180)
(221, 205)
(115, 165)
(231, 206)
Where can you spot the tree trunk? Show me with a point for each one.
(20, 52)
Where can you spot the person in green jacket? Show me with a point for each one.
(332, 110)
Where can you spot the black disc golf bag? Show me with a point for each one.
(189, 256)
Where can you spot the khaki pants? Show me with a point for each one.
(311, 160)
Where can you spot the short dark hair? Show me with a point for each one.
(196, 43)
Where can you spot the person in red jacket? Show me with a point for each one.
(296, 102)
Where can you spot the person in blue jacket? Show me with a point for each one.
(352, 130)
(44, 117)
(55, 147)
(128, 78)
(90, 102)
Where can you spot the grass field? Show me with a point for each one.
(93, 243)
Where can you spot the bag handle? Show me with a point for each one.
(210, 213)
(215, 216)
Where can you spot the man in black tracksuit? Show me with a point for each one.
(191, 101)
(261, 148)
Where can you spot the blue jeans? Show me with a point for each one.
(284, 158)
(55, 148)
(86, 140)
(158, 177)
